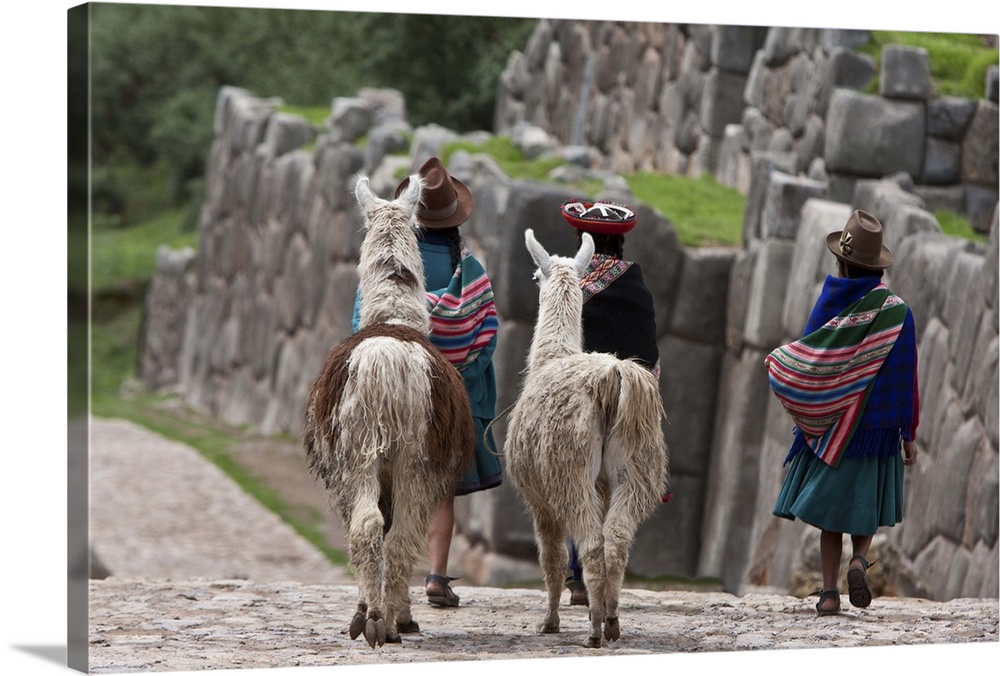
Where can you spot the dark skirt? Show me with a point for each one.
(856, 497)
(485, 471)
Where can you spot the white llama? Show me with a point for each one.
(388, 426)
(584, 446)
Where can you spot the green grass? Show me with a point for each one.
(957, 226)
(704, 212)
(314, 115)
(958, 61)
(128, 255)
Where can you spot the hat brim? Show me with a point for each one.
(463, 209)
(885, 260)
(597, 226)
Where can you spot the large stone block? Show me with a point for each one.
(763, 166)
(982, 497)
(963, 312)
(811, 262)
(734, 468)
(785, 196)
(980, 206)
(700, 307)
(980, 146)
(956, 448)
(903, 221)
(906, 73)
(537, 207)
(285, 133)
(722, 101)
(734, 47)
(948, 117)
(865, 135)
(689, 389)
(667, 542)
(845, 68)
(942, 162)
(920, 262)
(934, 563)
(766, 295)
(171, 290)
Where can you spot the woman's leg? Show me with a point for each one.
(439, 535)
(860, 545)
(858, 591)
(831, 547)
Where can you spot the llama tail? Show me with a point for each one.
(638, 416)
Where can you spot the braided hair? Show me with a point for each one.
(609, 245)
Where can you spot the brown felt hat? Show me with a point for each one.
(860, 242)
(445, 201)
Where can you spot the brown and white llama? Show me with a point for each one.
(388, 426)
(585, 450)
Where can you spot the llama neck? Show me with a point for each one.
(559, 329)
(391, 279)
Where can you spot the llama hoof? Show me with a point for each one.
(410, 627)
(394, 639)
(549, 628)
(593, 641)
(611, 630)
(357, 625)
(375, 632)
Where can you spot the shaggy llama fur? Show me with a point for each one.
(388, 425)
(585, 450)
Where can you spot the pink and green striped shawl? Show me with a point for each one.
(463, 315)
(823, 379)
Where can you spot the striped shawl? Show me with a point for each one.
(463, 315)
(824, 379)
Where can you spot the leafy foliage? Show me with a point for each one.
(157, 70)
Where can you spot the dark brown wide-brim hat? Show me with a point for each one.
(445, 201)
(860, 242)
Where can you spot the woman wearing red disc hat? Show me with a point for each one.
(618, 315)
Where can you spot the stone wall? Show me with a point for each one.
(241, 327)
(693, 99)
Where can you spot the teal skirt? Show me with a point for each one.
(485, 471)
(856, 497)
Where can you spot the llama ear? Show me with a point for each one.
(585, 253)
(538, 254)
(363, 193)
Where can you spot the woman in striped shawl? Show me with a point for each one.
(464, 327)
(850, 386)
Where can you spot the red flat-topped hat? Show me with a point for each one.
(445, 201)
(599, 218)
(860, 242)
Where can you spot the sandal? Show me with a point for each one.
(857, 586)
(577, 592)
(827, 595)
(446, 598)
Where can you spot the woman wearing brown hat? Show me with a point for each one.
(464, 327)
(850, 386)
(618, 315)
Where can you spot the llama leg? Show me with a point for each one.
(619, 532)
(550, 534)
(403, 544)
(591, 546)
(365, 538)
